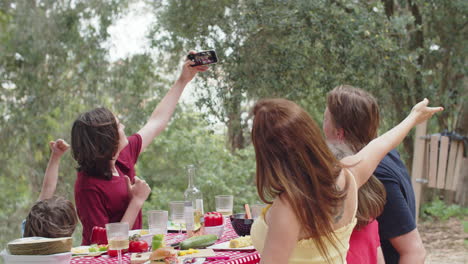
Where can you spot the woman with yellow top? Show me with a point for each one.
(313, 195)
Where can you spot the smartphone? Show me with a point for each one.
(203, 57)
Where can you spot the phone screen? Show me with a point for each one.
(203, 57)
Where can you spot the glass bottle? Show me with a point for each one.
(193, 196)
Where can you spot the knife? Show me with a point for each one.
(202, 260)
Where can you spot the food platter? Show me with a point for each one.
(225, 246)
(85, 251)
(174, 228)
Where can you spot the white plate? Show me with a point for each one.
(84, 251)
(61, 258)
(225, 246)
(148, 237)
(174, 228)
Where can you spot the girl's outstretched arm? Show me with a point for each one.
(370, 156)
(164, 110)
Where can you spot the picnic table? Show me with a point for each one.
(235, 257)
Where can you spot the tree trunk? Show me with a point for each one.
(389, 7)
(416, 84)
(416, 42)
(234, 124)
(400, 114)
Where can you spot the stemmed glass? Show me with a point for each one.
(117, 235)
(157, 222)
(177, 215)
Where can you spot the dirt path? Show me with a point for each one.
(444, 241)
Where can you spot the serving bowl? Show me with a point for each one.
(240, 224)
(215, 230)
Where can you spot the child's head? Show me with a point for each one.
(54, 217)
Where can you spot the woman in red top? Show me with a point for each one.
(106, 189)
(350, 123)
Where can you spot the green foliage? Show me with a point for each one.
(439, 210)
(190, 140)
(52, 67)
(301, 49)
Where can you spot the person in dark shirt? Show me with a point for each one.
(399, 236)
(400, 240)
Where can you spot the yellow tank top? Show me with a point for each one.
(306, 251)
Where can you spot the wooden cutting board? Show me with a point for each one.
(139, 258)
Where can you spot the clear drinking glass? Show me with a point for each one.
(256, 210)
(117, 235)
(177, 214)
(224, 204)
(157, 222)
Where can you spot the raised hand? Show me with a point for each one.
(139, 190)
(59, 147)
(421, 112)
(188, 72)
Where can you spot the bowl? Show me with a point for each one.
(144, 235)
(240, 224)
(61, 258)
(214, 230)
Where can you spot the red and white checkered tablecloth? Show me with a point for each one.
(235, 257)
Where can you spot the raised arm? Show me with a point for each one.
(58, 147)
(370, 156)
(164, 110)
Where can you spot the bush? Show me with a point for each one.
(439, 210)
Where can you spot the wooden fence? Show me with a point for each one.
(437, 162)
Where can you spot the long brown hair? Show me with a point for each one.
(54, 217)
(95, 142)
(294, 161)
(357, 113)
